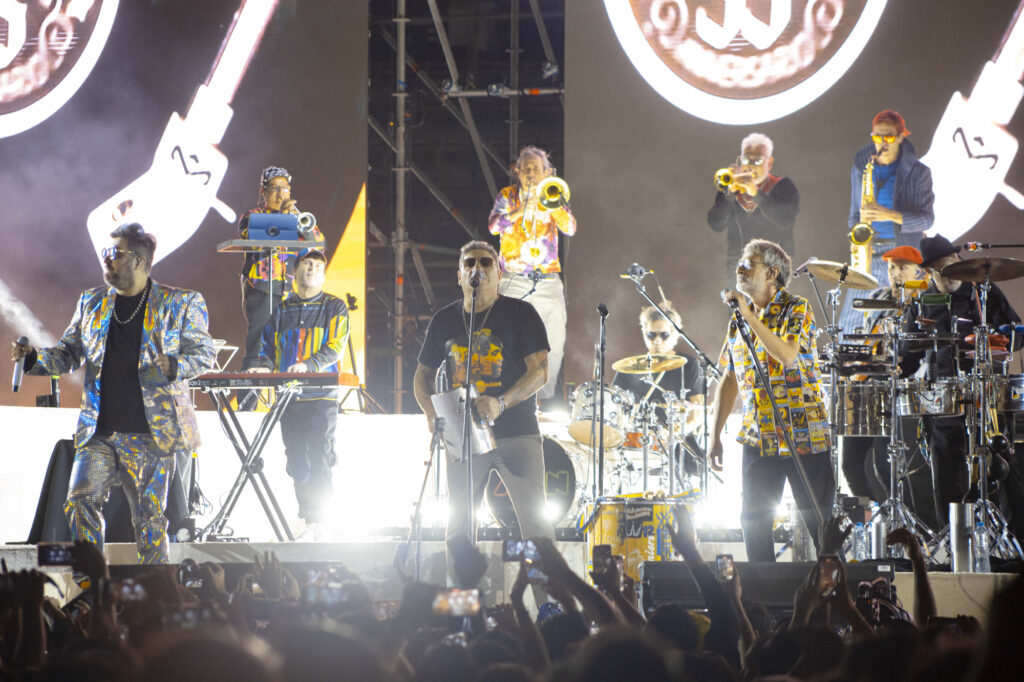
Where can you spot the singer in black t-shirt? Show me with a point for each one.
(508, 367)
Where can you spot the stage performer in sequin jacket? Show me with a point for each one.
(140, 342)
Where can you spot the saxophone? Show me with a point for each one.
(862, 233)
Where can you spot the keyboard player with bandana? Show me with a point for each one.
(308, 333)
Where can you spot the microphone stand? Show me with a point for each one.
(704, 364)
(467, 450)
(603, 312)
(744, 331)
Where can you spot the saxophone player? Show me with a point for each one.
(897, 202)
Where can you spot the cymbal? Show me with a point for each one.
(831, 271)
(981, 269)
(642, 364)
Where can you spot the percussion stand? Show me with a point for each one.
(703, 362)
(417, 518)
(894, 510)
(1001, 540)
(833, 330)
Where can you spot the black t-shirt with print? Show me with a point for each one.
(504, 335)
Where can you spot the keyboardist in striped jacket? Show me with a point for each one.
(308, 333)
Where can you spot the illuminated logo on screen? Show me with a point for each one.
(46, 55)
(743, 61)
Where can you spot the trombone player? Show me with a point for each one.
(529, 215)
(753, 203)
(890, 192)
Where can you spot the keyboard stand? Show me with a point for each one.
(252, 464)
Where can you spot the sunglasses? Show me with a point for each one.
(484, 261)
(665, 336)
(112, 253)
(889, 139)
(748, 161)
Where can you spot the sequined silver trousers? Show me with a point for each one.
(133, 461)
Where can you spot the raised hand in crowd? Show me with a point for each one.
(834, 534)
(535, 651)
(275, 580)
(924, 598)
(610, 580)
(595, 605)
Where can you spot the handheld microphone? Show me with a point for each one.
(634, 270)
(19, 367)
(602, 310)
(731, 302)
(474, 278)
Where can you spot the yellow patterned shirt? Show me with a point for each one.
(797, 390)
(530, 242)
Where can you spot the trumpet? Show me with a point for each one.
(553, 192)
(727, 178)
(307, 221)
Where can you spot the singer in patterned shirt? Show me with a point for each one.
(781, 326)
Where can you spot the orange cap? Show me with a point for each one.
(907, 253)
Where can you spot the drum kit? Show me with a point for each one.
(867, 397)
(639, 433)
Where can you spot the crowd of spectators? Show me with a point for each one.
(185, 623)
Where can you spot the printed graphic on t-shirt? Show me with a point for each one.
(487, 360)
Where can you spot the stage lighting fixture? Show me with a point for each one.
(552, 512)
(549, 70)
(498, 90)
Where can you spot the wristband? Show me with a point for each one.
(501, 405)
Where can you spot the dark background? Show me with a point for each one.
(302, 105)
(641, 170)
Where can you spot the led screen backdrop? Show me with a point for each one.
(148, 111)
(656, 106)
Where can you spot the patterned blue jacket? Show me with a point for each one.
(175, 323)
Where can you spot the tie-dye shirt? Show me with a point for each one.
(797, 390)
(531, 242)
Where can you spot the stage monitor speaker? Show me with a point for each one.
(772, 584)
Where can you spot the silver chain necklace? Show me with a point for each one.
(465, 320)
(142, 299)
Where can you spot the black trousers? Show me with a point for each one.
(763, 481)
(307, 429)
(256, 308)
(947, 439)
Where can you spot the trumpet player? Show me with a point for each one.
(529, 215)
(894, 197)
(753, 203)
(267, 278)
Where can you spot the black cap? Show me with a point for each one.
(935, 248)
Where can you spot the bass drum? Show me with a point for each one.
(559, 486)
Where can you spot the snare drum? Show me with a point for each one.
(920, 398)
(636, 528)
(863, 409)
(617, 405)
(1010, 393)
